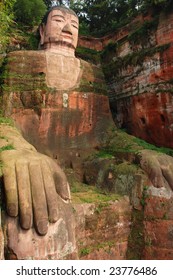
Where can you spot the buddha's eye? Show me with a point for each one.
(58, 20)
(75, 26)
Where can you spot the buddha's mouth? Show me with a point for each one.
(67, 35)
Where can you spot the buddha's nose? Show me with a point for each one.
(67, 28)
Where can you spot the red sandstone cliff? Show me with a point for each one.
(139, 71)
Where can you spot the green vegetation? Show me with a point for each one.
(82, 193)
(152, 147)
(134, 58)
(103, 154)
(18, 17)
(141, 34)
(100, 17)
(84, 251)
(6, 148)
(6, 120)
(88, 54)
(10, 122)
(144, 196)
(22, 82)
(107, 245)
(109, 52)
(6, 22)
(121, 142)
(125, 168)
(136, 242)
(97, 87)
(29, 12)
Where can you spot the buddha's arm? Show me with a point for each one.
(31, 181)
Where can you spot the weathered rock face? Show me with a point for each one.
(158, 224)
(99, 43)
(141, 83)
(138, 67)
(53, 119)
(103, 229)
(139, 72)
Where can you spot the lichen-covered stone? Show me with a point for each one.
(103, 229)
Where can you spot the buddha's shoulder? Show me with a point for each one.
(91, 69)
(26, 60)
(26, 53)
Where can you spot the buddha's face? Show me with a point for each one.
(61, 29)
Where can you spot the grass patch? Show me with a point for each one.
(4, 120)
(88, 54)
(107, 245)
(6, 148)
(148, 146)
(103, 154)
(84, 251)
(92, 195)
(83, 193)
(125, 168)
(121, 142)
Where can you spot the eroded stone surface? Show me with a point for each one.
(158, 224)
(140, 92)
(103, 229)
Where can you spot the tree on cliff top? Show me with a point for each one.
(50, 3)
(100, 17)
(29, 12)
(6, 20)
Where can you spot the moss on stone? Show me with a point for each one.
(121, 142)
(89, 55)
(19, 82)
(92, 195)
(95, 87)
(4, 120)
(136, 242)
(83, 193)
(105, 245)
(134, 59)
(142, 34)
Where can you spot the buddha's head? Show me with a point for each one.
(59, 30)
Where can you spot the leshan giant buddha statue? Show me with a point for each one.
(57, 101)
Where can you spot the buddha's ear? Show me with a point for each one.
(41, 30)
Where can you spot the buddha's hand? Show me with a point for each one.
(159, 168)
(33, 185)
